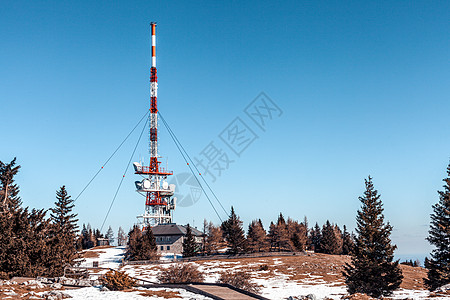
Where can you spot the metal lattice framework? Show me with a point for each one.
(159, 202)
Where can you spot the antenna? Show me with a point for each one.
(159, 203)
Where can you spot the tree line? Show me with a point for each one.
(89, 237)
(372, 270)
(34, 242)
(39, 242)
(283, 236)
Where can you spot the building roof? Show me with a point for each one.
(173, 229)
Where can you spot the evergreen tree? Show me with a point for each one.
(133, 246)
(347, 242)
(37, 245)
(148, 248)
(87, 239)
(121, 237)
(256, 237)
(9, 191)
(205, 234)
(189, 244)
(214, 238)
(298, 233)
(91, 240)
(316, 238)
(279, 236)
(63, 233)
(339, 238)
(330, 243)
(24, 234)
(84, 234)
(141, 246)
(372, 270)
(234, 234)
(98, 234)
(439, 236)
(284, 240)
(9, 208)
(272, 237)
(110, 235)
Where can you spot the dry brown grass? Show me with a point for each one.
(101, 247)
(358, 296)
(313, 268)
(299, 268)
(21, 290)
(413, 277)
(162, 294)
(316, 266)
(91, 254)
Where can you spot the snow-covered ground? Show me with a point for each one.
(274, 284)
(94, 293)
(108, 257)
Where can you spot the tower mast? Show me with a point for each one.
(159, 203)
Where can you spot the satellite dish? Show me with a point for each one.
(137, 166)
(146, 183)
(138, 185)
(165, 185)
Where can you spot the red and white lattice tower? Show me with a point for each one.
(159, 202)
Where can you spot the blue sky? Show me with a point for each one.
(363, 87)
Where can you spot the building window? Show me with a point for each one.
(162, 248)
(168, 247)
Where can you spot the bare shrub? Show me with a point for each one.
(263, 267)
(241, 280)
(181, 273)
(117, 281)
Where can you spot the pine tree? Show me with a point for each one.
(133, 246)
(148, 247)
(330, 243)
(87, 239)
(110, 235)
(121, 237)
(24, 233)
(279, 236)
(141, 245)
(98, 234)
(339, 238)
(234, 234)
(37, 243)
(298, 233)
(316, 238)
(347, 242)
(9, 192)
(272, 237)
(63, 233)
(9, 208)
(439, 236)
(284, 240)
(90, 240)
(372, 270)
(189, 245)
(214, 239)
(257, 237)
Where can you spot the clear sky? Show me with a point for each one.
(362, 87)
